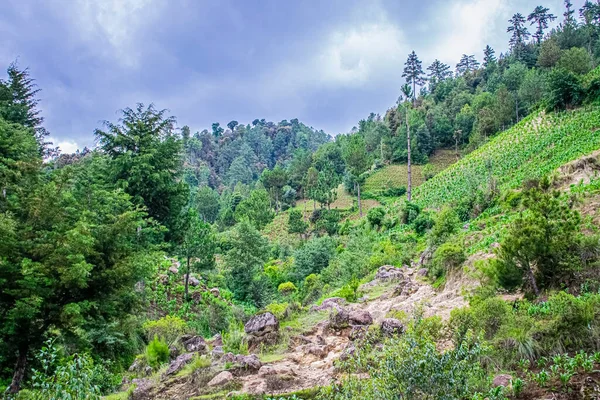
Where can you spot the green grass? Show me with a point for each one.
(396, 175)
(532, 149)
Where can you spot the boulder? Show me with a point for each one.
(215, 292)
(195, 343)
(405, 289)
(262, 324)
(339, 319)
(180, 362)
(251, 362)
(173, 352)
(136, 366)
(216, 340)
(174, 270)
(193, 281)
(163, 279)
(143, 389)
(502, 380)
(348, 352)
(217, 352)
(222, 379)
(391, 327)
(422, 272)
(389, 273)
(330, 303)
(360, 317)
(316, 350)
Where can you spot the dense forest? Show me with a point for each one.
(133, 266)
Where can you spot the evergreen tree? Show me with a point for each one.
(413, 72)
(357, 161)
(406, 91)
(256, 208)
(439, 71)
(568, 14)
(519, 34)
(232, 124)
(467, 64)
(489, 56)
(541, 17)
(296, 223)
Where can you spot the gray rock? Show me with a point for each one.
(348, 352)
(339, 319)
(179, 363)
(148, 370)
(143, 389)
(330, 303)
(215, 292)
(316, 350)
(389, 273)
(391, 327)
(216, 340)
(222, 379)
(136, 366)
(217, 352)
(360, 317)
(502, 380)
(174, 270)
(251, 362)
(173, 352)
(422, 272)
(262, 324)
(195, 343)
(193, 281)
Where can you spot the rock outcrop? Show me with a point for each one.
(262, 329)
(178, 364)
(389, 273)
(222, 379)
(195, 344)
(391, 327)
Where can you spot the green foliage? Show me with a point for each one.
(280, 310)
(376, 216)
(565, 90)
(312, 257)
(168, 329)
(413, 367)
(234, 339)
(157, 352)
(576, 60)
(447, 257)
(256, 209)
(207, 202)
(287, 288)
(446, 224)
(296, 222)
(348, 291)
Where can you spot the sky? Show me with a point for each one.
(328, 63)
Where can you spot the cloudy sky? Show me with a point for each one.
(327, 62)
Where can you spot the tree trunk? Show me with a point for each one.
(409, 188)
(531, 278)
(187, 278)
(359, 205)
(19, 373)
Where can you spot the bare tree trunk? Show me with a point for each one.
(19, 373)
(359, 205)
(531, 278)
(187, 278)
(409, 188)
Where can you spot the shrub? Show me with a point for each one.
(429, 172)
(280, 310)
(157, 352)
(409, 212)
(234, 340)
(311, 289)
(565, 90)
(423, 223)
(375, 216)
(394, 191)
(446, 224)
(448, 256)
(296, 223)
(328, 222)
(349, 291)
(312, 257)
(168, 328)
(287, 288)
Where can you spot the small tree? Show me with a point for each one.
(198, 245)
(296, 223)
(407, 92)
(357, 161)
(256, 208)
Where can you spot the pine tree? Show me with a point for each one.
(568, 14)
(439, 71)
(413, 72)
(467, 64)
(489, 56)
(541, 17)
(519, 36)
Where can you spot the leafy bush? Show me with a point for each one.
(448, 256)
(375, 216)
(168, 328)
(280, 310)
(394, 191)
(409, 212)
(234, 339)
(287, 288)
(423, 223)
(312, 257)
(446, 224)
(311, 289)
(349, 291)
(157, 352)
(328, 222)
(565, 92)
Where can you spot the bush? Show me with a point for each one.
(375, 216)
(287, 288)
(168, 328)
(446, 224)
(394, 191)
(447, 257)
(422, 223)
(157, 353)
(312, 257)
(328, 222)
(349, 291)
(565, 90)
(280, 310)
(311, 289)
(409, 212)
(234, 340)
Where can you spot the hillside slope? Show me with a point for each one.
(535, 147)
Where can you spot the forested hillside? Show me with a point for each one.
(271, 260)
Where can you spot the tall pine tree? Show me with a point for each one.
(413, 72)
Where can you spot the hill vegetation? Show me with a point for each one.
(253, 261)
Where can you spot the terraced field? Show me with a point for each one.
(532, 149)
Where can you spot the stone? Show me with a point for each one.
(174, 270)
(391, 327)
(330, 303)
(358, 332)
(262, 324)
(251, 362)
(193, 281)
(136, 366)
(143, 389)
(173, 352)
(339, 319)
(180, 362)
(216, 340)
(316, 350)
(222, 379)
(360, 317)
(148, 370)
(215, 292)
(195, 344)
(217, 352)
(502, 380)
(422, 272)
(388, 273)
(163, 279)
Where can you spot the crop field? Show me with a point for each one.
(396, 175)
(532, 149)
